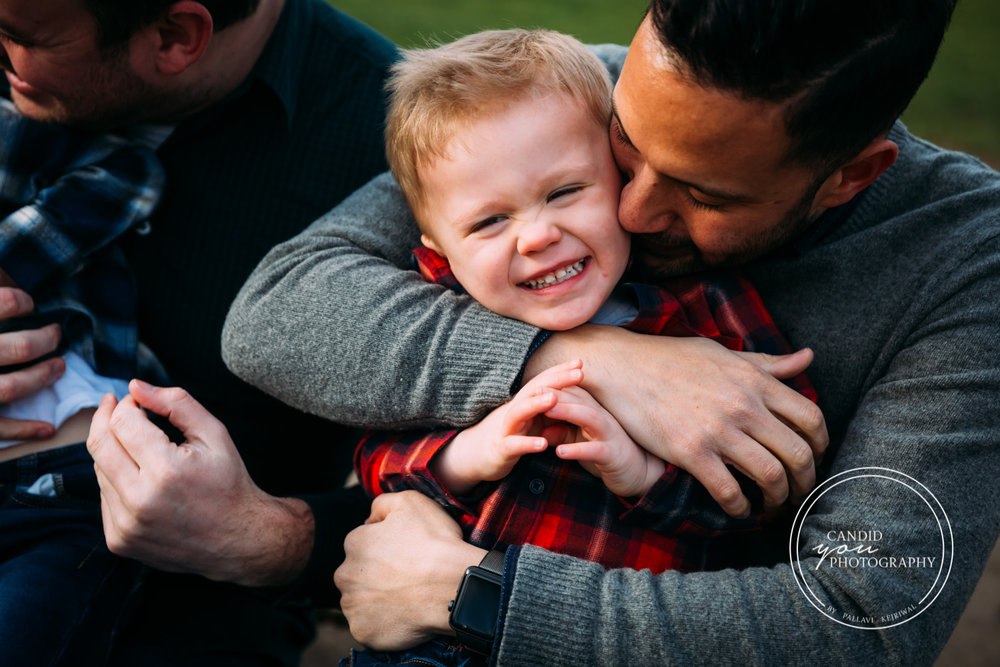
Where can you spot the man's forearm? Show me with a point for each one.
(928, 413)
(333, 323)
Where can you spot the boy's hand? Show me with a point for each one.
(602, 446)
(489, 450)
(701, 407)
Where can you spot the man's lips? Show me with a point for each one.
(652, 246)
(557, 276)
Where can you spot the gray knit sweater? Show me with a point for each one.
(901, 304)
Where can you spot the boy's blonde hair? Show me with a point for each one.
(433, 91)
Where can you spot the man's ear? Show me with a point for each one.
(182, 36)
(857, 174)
(428, 242)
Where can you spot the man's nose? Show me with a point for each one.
(538, 234)
(646, 205)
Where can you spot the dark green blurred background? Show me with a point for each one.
(958, 106)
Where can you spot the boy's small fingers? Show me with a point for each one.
(524, 409)
(519, 445)
(581, 451)
(563, 375)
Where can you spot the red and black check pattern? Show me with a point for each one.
(556, 504)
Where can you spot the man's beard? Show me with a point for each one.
(116, 98)
(657, 256)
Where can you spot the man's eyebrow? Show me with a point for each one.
(714, 193)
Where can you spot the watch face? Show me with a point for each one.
(477, 603)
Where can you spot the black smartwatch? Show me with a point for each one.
(476, 605)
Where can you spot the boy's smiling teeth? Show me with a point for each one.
(556, 277)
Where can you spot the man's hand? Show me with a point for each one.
(700, 406)
(19, 347)
(401, 570)
(190, 507)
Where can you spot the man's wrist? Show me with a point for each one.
(453, 564)
(477, 603)
(589, 342)
(276, 544)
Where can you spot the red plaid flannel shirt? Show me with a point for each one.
(556, 504)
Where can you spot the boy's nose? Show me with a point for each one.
(537, 235)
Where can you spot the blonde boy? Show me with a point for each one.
(499, 141)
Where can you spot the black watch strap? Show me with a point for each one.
(493, 561)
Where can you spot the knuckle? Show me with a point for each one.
(349, 544)
(10, 305)
(728, 492)
(740, 404)
(801, 457)
(116, 544)
(18, 347)
(7, 390)
(120, 424)
(176, 394)
(772, 474)
(691, 450)
(128, 526)
(812, 418)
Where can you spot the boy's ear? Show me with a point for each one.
(428, 242)
(857, 174)
(181, 36)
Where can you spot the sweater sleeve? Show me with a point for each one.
(929, 412)
(334, 323)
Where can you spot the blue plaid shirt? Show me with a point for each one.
(65, 197)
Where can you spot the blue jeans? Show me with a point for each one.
(63, 595)
(434, 653)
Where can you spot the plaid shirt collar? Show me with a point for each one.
(66, 195)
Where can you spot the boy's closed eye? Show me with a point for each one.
(564, 192)
(486, 222)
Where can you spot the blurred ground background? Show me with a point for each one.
(957, 107)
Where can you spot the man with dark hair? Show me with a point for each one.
(269, 112)
(756, 133)
(118, 20)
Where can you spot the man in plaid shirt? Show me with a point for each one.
(66, 196)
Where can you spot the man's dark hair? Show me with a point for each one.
(117, 20)
(846, 68)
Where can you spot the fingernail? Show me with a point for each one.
(143, 386)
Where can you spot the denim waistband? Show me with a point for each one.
(25, 470)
